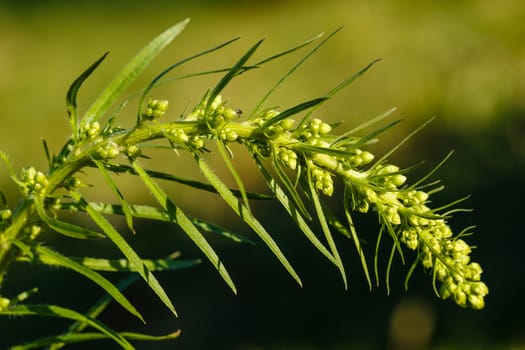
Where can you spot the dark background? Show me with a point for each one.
(463, 62)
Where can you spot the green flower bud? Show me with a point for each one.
(460, 297)
(476, 302)
(366, 157)
(287, 124)
(5, 214)
(155, 109)
(108, 151)
(4, 302)
(228, 135)
(410, 238)
(196, 142)
(398, 180)
(132, 151)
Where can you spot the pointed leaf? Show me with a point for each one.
(226, 158)
(121, 168)
(90, 336)
(231, 74)
(290, 72)
(342, 138)
(326, 229)
(126, 209)
(49, 257)
(128, 252)
(156, 80)
(245, 214)
(293, 110)
(128, 74)
(185, 223)
(61, 312)
(71, 97)
(65, 228)
(290, 188)
(290, 208)
(96, 309)
(123, 265)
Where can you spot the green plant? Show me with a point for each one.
(299, 160)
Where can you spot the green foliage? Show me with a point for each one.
(298, 162)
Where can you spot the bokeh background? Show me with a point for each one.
(460, 61)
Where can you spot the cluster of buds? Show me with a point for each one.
(447, 256)
(180, 137)
(287, 157)
(359, 158)
(155, 109)
(90, 130)
(406, 213)
(322, 180)
(108, 150)
(33, 182)
(5, 217)
(313, 131)
(216, 114)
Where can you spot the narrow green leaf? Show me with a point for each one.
(122, 168)
(123, 265)
(289, 51)
(293, 110)
(47, 153)
(156, 80)
(260, 105)
(61, 312)
(323, 150)
(152, 213)
(128, 74)
(128, 252)
(185, 223)
(95, 310)
(71, 97)
(290, 188)
(340, 86)
(370, 136)
(343, 137)
(49, 257)
(244, 213)
(389, 267)
(326, 229)
(405, 139)
(353, 235)
(376, 254)
(431, 172)
(291, 209)
(126, 208)
(231, 74)
(8, 164)
(65, 228)
(226, 158)
(84, 337)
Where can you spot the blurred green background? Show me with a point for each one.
(461, 61)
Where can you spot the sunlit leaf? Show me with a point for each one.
(123, 265)
(71, 97)
(185, 223)
(128, 74)
(65, 228)
(61, 312)
(325, 227)
(126, 208)
(245, 215)
(128, 252)
(47, 256)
